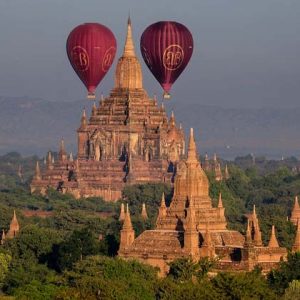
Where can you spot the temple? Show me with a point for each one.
(128, 139)
(192, 227)
(295, 212)
(14, 229)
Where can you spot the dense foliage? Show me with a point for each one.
(67, 248)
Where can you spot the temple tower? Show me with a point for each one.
(295, 212)
(127, 139)
(127, 232)
(122, 213)
(273, 243)
(13, 227)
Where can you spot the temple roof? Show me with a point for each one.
(154, 242)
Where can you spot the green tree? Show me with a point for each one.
(293, 291)
(287, 271)
(80, 244)
(5, 260)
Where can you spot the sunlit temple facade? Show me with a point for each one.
(128, 139)
(192, 227)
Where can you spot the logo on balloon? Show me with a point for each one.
(173, 57)
(108, 58)
(80, 58)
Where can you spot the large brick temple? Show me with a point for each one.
(192, 227)
(128, 139)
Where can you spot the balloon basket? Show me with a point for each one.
(166, 96)
(91, 96)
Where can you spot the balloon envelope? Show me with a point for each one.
(166, 47)
(91, 49)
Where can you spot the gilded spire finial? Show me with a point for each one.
(129, 46)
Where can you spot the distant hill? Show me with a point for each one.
(33, 126)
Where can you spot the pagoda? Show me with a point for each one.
(128, 139)
(192, 227)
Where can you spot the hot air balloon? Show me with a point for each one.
(91, 48)
(166, 47)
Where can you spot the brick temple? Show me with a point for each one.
(128, 139)
(192, 227)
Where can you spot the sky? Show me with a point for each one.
(246, 53)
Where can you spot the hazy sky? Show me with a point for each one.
(247, 53)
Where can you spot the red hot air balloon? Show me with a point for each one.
(91, 49)
(166, 47)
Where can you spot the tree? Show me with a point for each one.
(5, 260)
(99, 277)
(251, 285)
(293, 291)
(33, 243)
(185, 269)
(287, 271)
(80, 244)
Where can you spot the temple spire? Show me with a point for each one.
(129, 46)
(273, 243)
(14, 227)
(49, 161)
(220, 202)
(62, 151)
(172, 119)
(127, 220)
(226, 173)
(127, 232)
(37, 175)
(248, 239)
(83, 119)
(296, 245)
(295, 212)
(254, 211)
(162, 210)
(122, 213)
(192, 151)
(144, 212)
(257, 233)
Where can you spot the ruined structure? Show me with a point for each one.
(192, 227)
(128, 139)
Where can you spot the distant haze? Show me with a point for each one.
(246, 55)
